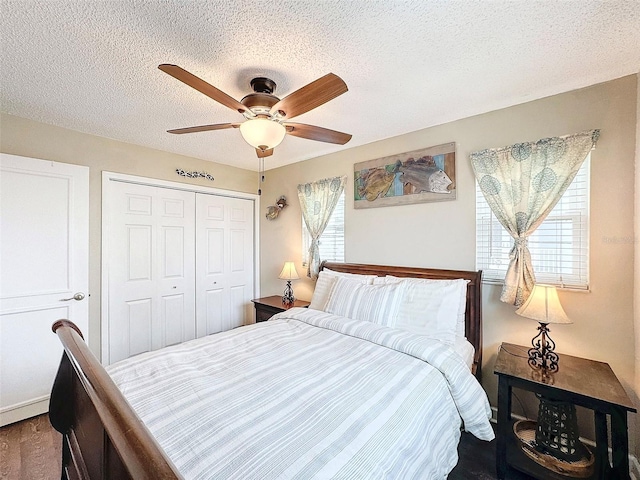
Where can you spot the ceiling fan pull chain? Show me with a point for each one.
(260, 174)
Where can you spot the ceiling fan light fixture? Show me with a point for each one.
(262, 133)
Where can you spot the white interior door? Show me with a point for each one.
(44, 258)
(225, 263)
(151, 268)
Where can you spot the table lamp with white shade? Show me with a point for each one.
(543, 306)
(288, 273)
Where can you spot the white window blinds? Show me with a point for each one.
(559, 247)
(332, 239)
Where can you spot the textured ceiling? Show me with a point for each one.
(91, 66)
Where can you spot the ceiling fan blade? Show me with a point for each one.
(265, 153)
(320, 134)
(204, 128)
(202, 86)
(310, 96)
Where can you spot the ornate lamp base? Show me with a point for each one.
(542, 354)
(288, 298)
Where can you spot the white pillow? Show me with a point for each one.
(366, 279)
(325, 283)
(431, 307)
(373, 303)
(460, 325)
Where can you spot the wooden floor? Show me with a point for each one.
(477, 461)
(30, 450)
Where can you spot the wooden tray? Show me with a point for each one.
(525, 431)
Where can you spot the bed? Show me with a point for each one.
(308, 394)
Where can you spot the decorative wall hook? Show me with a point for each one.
(274, 210)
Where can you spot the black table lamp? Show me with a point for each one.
(544, 306)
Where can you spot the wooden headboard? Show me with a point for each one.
(473, 314)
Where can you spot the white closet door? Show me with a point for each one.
(151, 268)
(225, 263)
(44, 256)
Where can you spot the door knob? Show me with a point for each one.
(78, 296)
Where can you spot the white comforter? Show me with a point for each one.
(307, 395)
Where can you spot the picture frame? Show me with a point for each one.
(418, 176)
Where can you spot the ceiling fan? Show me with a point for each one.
(266, 115)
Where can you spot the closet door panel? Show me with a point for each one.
(173, 241)
(224, 265)
(131, 271)
(176, 329)
(176, 257)
(212, 310)
(241, 260)
(138, 332)
(237, 246)
(215, 318)
(139, 252)
(238, 306)
(151, 268)
(215, 251)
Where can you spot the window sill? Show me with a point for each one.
(584, 289)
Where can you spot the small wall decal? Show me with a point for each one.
(185, 173)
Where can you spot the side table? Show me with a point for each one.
(579, 381)
(267, 307)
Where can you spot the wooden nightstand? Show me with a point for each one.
(579, 381)
(266, 307)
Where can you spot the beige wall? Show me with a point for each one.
(636, 308)
(27, 138)
(442, 234)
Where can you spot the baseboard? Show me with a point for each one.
(15, 413)
(634, 465)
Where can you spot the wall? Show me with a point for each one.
(636, 307)
(19, 136)
(442, 235)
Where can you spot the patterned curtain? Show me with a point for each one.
(317, 201)
(522, 183)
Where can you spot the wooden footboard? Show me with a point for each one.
(103, 438)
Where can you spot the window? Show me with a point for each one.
(332, 239)
(559, 247)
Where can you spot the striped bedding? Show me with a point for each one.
(307, 395)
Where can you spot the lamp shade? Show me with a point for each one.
(289, 272)
(544, 306)
(262, 134)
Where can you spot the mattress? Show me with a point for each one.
(307, 395)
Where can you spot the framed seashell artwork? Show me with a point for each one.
(425, 175)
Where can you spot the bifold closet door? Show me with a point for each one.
(151, 268)
(225, 263)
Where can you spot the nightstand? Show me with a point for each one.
(579, 381)
(266, 307)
